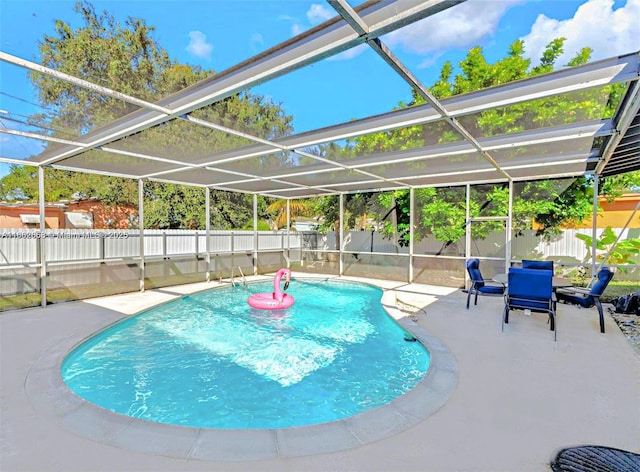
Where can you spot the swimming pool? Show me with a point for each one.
(209, 360)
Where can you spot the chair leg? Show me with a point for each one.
(475, 302)
(469, 295)
(505, 316)
(600, 313)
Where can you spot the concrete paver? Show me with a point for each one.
(508, 401)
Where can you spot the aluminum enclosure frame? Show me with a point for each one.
(619, 136)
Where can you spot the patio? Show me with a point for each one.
(517, 399)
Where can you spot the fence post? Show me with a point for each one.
(164, 244)
(101, 243)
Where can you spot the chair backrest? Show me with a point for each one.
(473, 267)
(544, 265)
(604, 277)
(530, 284)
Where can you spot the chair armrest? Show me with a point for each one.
(494, 282)
(583, 290)
(574, 290)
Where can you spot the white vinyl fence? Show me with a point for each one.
(566, 246)
(20, 249)
(23, 246)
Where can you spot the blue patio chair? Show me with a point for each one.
(585, 297)
(478, 284)
(544, 265)
(530, 289)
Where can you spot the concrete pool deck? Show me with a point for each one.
(496, 400)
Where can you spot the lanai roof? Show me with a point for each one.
(301, 165)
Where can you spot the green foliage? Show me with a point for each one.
(127, 58)
(278, 211)
(623, 252)
(553, 206)
(548, 204)
(21, 183)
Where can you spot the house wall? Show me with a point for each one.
(10, 217)
(104, 216)
(616, 214)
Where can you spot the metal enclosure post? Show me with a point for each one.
(467, 236)
(288, 233)
(613, 246)
(255, 234)
(341, 236)
(507, 262)
(412, 209)
(207, 230)
(41, 242)
(594, 228)
(141, 228)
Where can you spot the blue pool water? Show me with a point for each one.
(209, 360)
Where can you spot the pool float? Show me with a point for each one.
(276, 300)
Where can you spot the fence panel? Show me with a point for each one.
(20, 247)
(17, 248)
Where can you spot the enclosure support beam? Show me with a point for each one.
(467, 235)
(141, 228)
(288, 233)
(41, 242)
(207, 230)
(613, 246)
(507, 256)
(594, 227)
(341, 236)
(255, 234)
(412, 202)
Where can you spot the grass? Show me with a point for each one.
(28, 300)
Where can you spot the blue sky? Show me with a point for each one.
(216, 34)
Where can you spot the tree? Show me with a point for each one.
(279, 209)
(126, 57)
(550, 204)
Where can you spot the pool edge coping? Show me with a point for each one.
(48, 393)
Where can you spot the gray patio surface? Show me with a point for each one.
(495, 401)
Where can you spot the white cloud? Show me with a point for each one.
(319, 13)
(256, 42)
(316, 14)
(463, 26)
(296, 29)
(198, 45)
(595, 25)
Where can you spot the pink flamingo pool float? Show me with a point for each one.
(276, 300)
